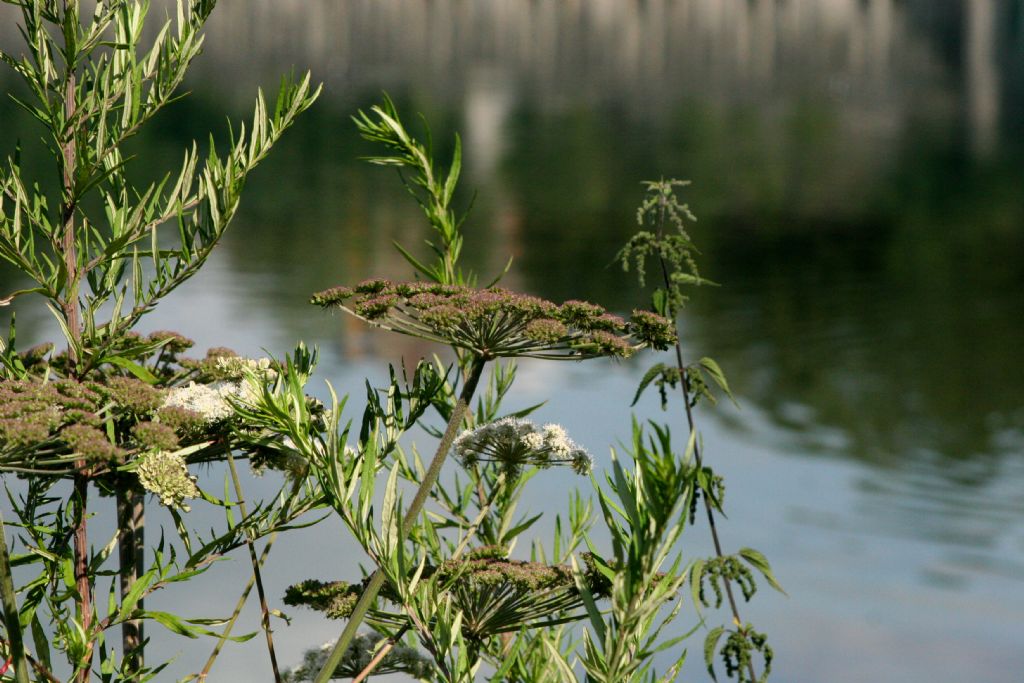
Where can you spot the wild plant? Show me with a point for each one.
(444, 575)
(111, 411)
(663, 239)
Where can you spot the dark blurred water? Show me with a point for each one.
(858, 174)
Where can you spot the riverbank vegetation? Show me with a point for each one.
(458, 588)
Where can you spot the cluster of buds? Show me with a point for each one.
(515, 443)
(166, 474)
(495, 594)
(496, 322)
(114, 423)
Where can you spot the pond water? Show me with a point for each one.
(858, 174)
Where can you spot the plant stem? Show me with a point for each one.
(201, 676)
(381, 654)
(256, 573)
(692, 426)
(83, 583)
(485, 508)
(430, 478)
(70, 310)
(10, 606)
(131, 552)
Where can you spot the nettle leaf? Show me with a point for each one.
(715, 372)
(710, 646)
(652, 374)
(759, 562)
(696, 576)
(660, 302)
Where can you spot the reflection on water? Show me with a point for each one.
(857, 170)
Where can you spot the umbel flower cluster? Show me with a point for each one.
(514, 443)
(495, 594)
(111, 426)
(496, 322)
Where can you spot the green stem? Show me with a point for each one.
(131, 520)
(691, 423)
(11, 619)
(201, 676)
(484, 510)
(364, 675)
(256, 573)
(377, 579)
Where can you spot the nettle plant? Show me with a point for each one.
(108, 411)
(445, 600)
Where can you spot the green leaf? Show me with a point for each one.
(453, 172)
(413, 261)
(41, 642)
(596, 620)
(660, 303)
(696, 576)
(520, 528)
(718, 376)
(653, 373)
(134, 368)
(759, 562)
(710, 645)
(138, 589)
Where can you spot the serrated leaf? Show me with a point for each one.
(759, 562)
(653, 373)
(710, 645)
(718, 376)
(660, 303)
(696, 576)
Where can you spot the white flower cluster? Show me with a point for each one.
(212, 401)
(209, 400)
(166, 475)
(515, 442)
(237, 367)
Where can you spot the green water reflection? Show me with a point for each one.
(873, 271)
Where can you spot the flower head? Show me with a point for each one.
(495, 594)
(496, 322)
(212, 402)
(155, 435)
(133, 395)
(165, 474)
(172, 341)
(515, 443)
(91, 443)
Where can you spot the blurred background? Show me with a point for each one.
(858, 175)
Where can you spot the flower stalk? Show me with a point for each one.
(376, 581)
(256, 572)
(131, 515)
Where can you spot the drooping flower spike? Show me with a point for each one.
(496, 322)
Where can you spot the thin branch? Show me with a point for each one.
(201, 676)
(381, 654)
(256, 573)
